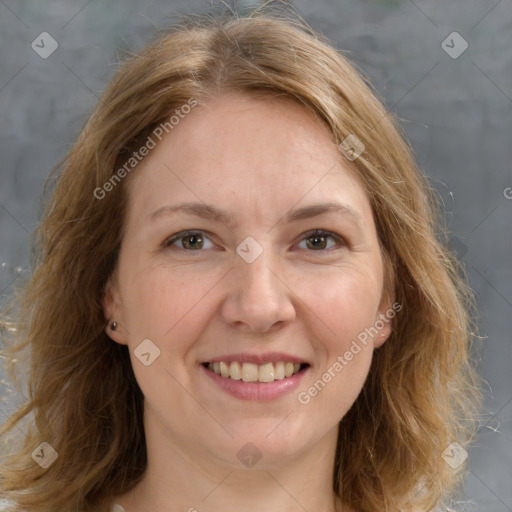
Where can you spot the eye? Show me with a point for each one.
(189, 241)
(318, 240)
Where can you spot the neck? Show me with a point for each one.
(177, 479)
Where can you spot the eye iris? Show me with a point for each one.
(316, 242)
(193, 241)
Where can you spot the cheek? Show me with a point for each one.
(170, 307)
(344, 310)
(346, 302)
(167, 305)
(336, 309)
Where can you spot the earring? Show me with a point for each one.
(113, 326)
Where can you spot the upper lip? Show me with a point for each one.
(267, 357)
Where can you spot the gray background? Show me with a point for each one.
(457, 113)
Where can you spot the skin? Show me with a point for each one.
(258, 159)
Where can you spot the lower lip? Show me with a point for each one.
(256, 390)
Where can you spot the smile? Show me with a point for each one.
(251, 372)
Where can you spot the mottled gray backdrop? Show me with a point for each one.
(443, 66)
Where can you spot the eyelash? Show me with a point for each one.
(310, 234)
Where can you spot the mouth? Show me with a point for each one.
(252, 372)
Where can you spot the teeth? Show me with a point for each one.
(267, 373)
(235, 372)
(224, 369)
(250, 372)
(279, 370)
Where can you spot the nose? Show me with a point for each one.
(259, 299)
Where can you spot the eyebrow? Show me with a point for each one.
(210, 212)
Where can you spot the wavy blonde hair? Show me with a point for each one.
(83, 398)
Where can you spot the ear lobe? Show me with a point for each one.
(384, 321)
(383, 334)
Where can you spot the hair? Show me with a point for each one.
(422, 390)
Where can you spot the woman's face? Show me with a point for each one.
(247, 242)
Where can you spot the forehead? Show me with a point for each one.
(258, 155)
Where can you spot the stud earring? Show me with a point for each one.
(113, 326)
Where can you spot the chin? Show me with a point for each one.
(263, 444)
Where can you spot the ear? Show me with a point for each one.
(384, 320)
(113, 311)
(388, 308)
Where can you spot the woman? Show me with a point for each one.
(240, 298)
